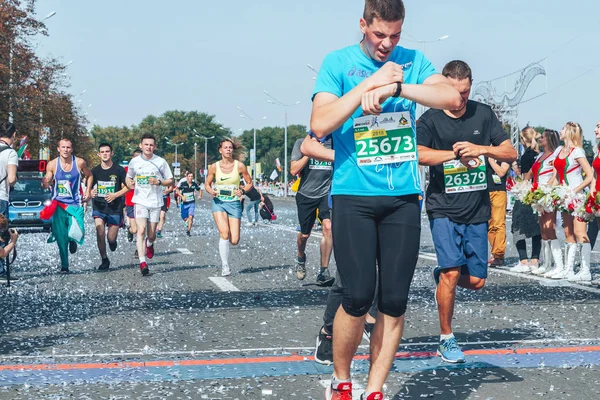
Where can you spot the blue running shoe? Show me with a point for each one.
(450, 351)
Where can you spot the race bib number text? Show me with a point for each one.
(383, 139)
(460, 179)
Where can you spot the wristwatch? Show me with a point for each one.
(398, 89)
(159, 182)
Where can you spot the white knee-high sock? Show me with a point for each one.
(224, 251)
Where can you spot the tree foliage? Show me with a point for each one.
(184, 128)
(270, 144)
(33, 89)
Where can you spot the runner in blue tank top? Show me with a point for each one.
(67, 220)
(366, 96)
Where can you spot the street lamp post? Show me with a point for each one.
(245, 115)
(273, 100)
(176, 165)
(206, 139)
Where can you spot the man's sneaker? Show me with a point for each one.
(225, 270)
(324, 349)
(450, 351)
(72, 247)
(188, 233)
(325, 279)
(144, 269)
(496, 262)
(249, 224)
(367, 331)
(112, 246)
(105, 265)
(342, 392)
(372, 396)
(159, 234)
(149, 250)
(301, 268)
(129, 236)
(64, 270)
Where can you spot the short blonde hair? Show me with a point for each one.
(529, 136)
(574, 134)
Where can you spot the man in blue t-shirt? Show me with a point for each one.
(376, 183)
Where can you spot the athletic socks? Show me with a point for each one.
(323, 269)
(335, 381)
(446, 337)
(224, 251)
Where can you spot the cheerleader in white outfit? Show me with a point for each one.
(569, 165)
(542, 173)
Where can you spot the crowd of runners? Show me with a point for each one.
(359, 176)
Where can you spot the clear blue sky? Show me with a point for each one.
(140, 57)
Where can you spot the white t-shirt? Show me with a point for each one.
(7, 157)
(141, 170)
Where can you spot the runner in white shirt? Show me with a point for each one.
(147, 175)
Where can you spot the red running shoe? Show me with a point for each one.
(342, 392)
(144, 269)
(372, 396)
(149, 250)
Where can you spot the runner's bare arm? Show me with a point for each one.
(50, 168)
(504, 152)
(11, 177)
(89, 178)
(430, 157)
(500, 169)
(329, 111)
(435, 92)
(588, 171)
(212, 170)
(247, 178)
(124, 189)
(298, 165)
(313, 149)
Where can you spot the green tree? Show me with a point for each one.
(34, 88)
(270, 145)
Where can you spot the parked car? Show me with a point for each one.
(27, 198)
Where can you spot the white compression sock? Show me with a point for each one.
(224, 251)
(446, 337)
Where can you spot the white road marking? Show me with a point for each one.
(543, 281)
(185, 251)
(428, 256)
(293, 230)
(223, 284)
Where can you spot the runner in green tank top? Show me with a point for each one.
(226, 204)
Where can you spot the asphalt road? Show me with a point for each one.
(186, 333)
